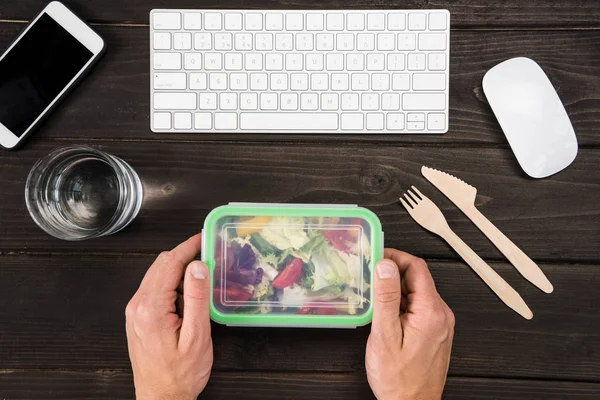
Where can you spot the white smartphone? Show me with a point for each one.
(37, 70)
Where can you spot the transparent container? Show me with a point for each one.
(77, 193)
(291, 265)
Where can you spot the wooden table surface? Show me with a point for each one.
(62, 304)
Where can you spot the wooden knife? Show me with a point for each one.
(463, 196)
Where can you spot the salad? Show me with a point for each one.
(292, 265)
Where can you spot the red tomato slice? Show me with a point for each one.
(339, 240)
(289, 275)
(233, 292)
(325, 311)
(303, 311)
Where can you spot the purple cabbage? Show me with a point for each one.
(242, 271)
(259, 275)
(246, 258)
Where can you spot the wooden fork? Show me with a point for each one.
(429, 216)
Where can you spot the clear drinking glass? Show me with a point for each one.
(77, 193)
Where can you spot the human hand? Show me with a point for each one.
(408, 351)
(168, 334)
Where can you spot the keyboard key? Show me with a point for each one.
(198, 81)
(289, 101)
(375, 121)
(319, 82)
(365, 41)
(274, 22)
(375, 62)
(437, 21)
(182, 41)
(192, 61)
(166, 20)
(174, 101)
(329, 102)
(182, 121)
(243, 41)
(349, 101)
(380, 82)
(385, 41)
(304, 41)
(355, 61)
(416, 62)
(254, 22)
(437, 61)
(345, 42)
(264, 42)
(314, 22)
(233, 21)
(319, 121)
(202, 41)
(217, 81)
(432, 41)
(293, 21)
(436, 121)
(314, 62)
(167, 61)
(161, 120)
(161, 41)
(213, 61)
(355, 22)
(415, 126)
(360, 82)
(335, 22)
(299, 82)
(309, 101)
(274, 62)
(416, 21)
(390, 102)
(233, 62)
(268, 101)
(212, 21)
(293, 61)
(406, 41)
(279, 82)
(395, 121)
(396, 21)
(324, 41)
(339, 82)
(192, 21)
(435, 82)
(369, 101)
(248, 101)
(254, 61)
(228, 101)
(352, 121)
(169, 81)
(283, 42)
(223, 41)
(334, 62)
(424, 101)
(396, 62)
(258, 81)
(400, 81)
(375, 22)
(415, 117)
(208, 101)
(226, 121)
(238, 81)
(203, 121)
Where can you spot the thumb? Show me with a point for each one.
(196, 295)
(387, 297)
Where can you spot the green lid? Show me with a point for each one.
(293, 265)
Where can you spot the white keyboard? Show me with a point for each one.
(333, 71)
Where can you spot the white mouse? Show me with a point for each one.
(532, 116)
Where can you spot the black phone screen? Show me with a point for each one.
(36, 70)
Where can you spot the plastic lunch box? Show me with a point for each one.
(291, 265)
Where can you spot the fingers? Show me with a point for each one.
(417, 282)
(195, 328)
(166, 272)
(387, 298)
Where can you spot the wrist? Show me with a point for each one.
(163, 395)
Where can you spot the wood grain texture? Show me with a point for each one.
(550, 219)
(465, 13)
(67, 312)
(113, 102)
(48, 385)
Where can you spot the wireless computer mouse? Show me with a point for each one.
(532, 116)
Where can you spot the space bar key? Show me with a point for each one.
(289, 121)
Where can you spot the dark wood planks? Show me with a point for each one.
(46, 385)
(465, 13)
(551, 219)
(113, 102)
(67, 312)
